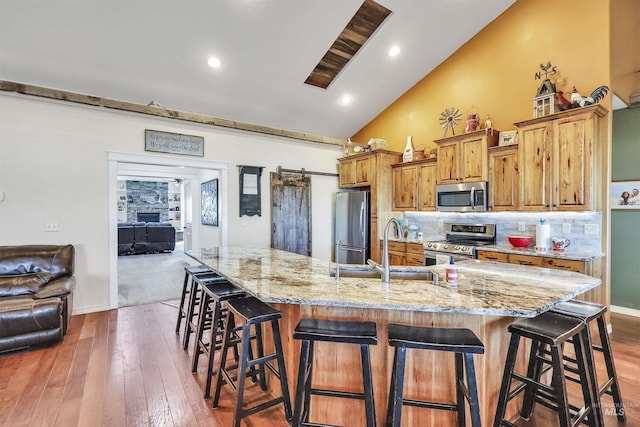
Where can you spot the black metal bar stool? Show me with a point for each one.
(191, 316)
(351, 332)
(463, 342)
(189, 271)
(244, 313)
(211, 317)
(587, 312)
(554, 330)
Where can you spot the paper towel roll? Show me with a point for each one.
(543, 236)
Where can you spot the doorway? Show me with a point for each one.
(291, 213)
(196, 170)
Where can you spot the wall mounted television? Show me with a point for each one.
(148, 217)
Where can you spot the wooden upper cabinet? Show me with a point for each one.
(405, 185)
(504, 178)
(463, 158)
(534, 145)
(414, 186)
(573, 140)
(427, 186)
(355, 171)
(556, 160)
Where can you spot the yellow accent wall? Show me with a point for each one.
(494, 71)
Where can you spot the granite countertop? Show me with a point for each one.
(576, 256)
(483, 287)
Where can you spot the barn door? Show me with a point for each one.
(291, 213)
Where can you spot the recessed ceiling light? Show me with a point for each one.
(214, 62)
(346, 99)
(394, 51)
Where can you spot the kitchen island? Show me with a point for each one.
(487, 298)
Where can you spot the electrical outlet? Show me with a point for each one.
(566, 227)
(51, 226)
(591, 229)
(609, 328)
(521, 226)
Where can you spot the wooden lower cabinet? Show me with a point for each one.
(590, 268)
(401, 253)
(414, 254)
(536, 261)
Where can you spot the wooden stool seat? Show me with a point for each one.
(247, 312)
(463, 342)
(352, 332)
(554, 330)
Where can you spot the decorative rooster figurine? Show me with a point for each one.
(562, 102)
(578, 100)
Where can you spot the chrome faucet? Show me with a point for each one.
(386, 269)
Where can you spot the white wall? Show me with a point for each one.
(53, 167)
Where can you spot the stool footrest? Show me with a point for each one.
(317, 425)
(262, 406)
(430, 405)
(336, 393)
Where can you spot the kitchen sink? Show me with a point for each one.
(398, 273)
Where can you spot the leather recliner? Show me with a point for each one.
(36, 294)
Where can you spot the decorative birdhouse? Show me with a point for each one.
(544, 102)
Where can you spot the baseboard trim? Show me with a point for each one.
(90, 309)
(625, 310)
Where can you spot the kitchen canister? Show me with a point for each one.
(543, 236)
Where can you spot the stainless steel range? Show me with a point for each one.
(461, 242)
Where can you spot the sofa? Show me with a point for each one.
(145, 237)
(36, 294)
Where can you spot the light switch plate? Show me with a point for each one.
(566, 227)
(591, 229)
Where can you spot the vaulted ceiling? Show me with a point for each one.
(157, 51)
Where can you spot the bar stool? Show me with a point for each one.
(463, 342)
(212, 318)
(247, 312)
(191, 325)
(189, 271)
(587, 312)
(554, 330)
(350, 332)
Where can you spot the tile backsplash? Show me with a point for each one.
(430, 224)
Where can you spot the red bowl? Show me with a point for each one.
(520, 241)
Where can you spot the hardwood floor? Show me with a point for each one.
(126, 367)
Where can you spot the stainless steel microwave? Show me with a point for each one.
(465, 197)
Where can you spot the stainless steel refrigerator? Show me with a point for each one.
(352, 227)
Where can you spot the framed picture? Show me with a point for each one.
(625, 195)
(509, 137)
(209, 200)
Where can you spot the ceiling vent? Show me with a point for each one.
(361, 27)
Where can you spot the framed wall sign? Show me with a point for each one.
(509, 137)
(209, 201)
(625, 195)
(173, 143)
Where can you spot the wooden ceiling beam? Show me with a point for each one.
(61, 95)
(360, 28)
